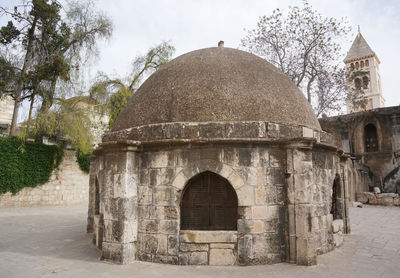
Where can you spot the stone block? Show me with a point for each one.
(162, 244)
(208, 236)
(172, 245)
(119, 253)
(258, 226)
(198, 258)
(338, 239)
(308, 132)
(222, 257)
(337, 225)
(193, 247)
(361, 197)
(169, 226)
(259, 212)
(183, 258)
(245, 196)
(222, 246)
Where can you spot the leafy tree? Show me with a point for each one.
(50, 41)
(306, 47)
(119, 91)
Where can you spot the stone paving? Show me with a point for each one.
(51, 242)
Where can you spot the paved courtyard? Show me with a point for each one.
(51, 242)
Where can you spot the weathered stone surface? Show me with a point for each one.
(192, 247)
(222, 257)
(338, 239)
(222, 246)
(208, 236)
(337, 225)
(198, 258)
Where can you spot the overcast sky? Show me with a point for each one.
(195, 24)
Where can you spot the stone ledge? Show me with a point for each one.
(216, 130)
(190, 236)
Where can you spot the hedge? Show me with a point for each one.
(83, 160)
(25, 164)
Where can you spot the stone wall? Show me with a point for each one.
(257, 175)
(67, 185)
(283, 193)
(325, 170)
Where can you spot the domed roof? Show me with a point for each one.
(213, 85)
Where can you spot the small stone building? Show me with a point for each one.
(217, 159)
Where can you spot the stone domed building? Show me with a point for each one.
(217, 159)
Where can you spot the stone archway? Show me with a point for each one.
(244, 192)
(208, 202)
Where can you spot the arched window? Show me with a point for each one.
(209, 203)
(365, 82)
(352, 66)
(357, 83)
(362, 64)
(367, 63)
(357, 65)
(371, 138)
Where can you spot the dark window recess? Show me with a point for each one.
(371, 138)
(209, 203)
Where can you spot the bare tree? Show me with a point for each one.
(306, 47)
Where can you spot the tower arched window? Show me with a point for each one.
(357, 65)
(367, 63)
(209, 202)
(371, 138)
(362, 64)
(365, 82)
(357, 83)
(352, 66)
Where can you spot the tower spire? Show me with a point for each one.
(359, 32)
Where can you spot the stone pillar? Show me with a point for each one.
(344, 184)
(301, 210)
(91, 203)
(119, 205)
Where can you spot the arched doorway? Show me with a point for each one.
(209, 202)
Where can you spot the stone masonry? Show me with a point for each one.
(67, 185)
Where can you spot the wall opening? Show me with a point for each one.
(209, 202)
(371, 138)
(336, 193)
(96, 198)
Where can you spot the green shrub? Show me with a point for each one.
(25, 164)
(83, 160)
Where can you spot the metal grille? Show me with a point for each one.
(209, 203)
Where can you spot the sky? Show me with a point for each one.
(195, 24)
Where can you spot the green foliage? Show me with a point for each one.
(117, 103)
(119, 92)
(83, 160)
(8, 33)
(24, 164)
(69, 122)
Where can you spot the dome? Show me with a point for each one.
(216, 85)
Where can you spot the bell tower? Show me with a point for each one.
(364, 91)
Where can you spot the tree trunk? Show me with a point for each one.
(20, 84)
(30, 113)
